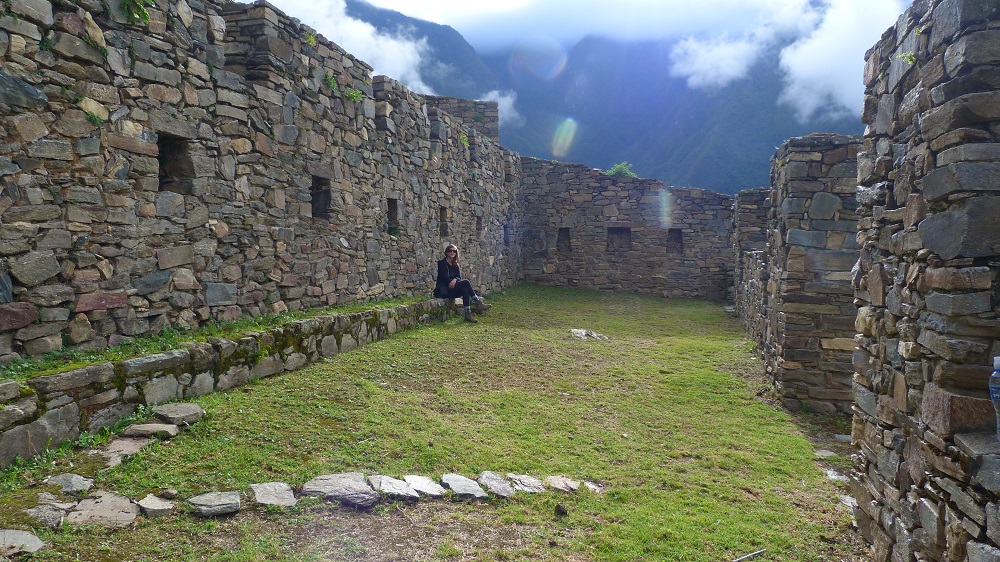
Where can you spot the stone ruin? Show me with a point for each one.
(223, 160)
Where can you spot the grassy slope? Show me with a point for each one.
(695, 467)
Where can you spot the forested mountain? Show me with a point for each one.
(621, 103)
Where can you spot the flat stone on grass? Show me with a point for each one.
(562, 483)
(463, 487)
(525, 483)
(14, 542)
(104, 510)
(153, 506)
(274, 493)
(424, 485)
(179, 414)
(72, 484)
(214, 504)
(114, 451)
(393, 488)
(161, 430)
(349, 488)
(596, 488)
(496, 484)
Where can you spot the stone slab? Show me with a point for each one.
(424, 485)
(155, 363)
(15, 542)
(183, 413)
(72, 484)
(160, 430)
(463, 487)
(349, 488)
(562, 483)
(274, 493)
(214, 504)
(154, 506)
(495, 484)
(104, 510)
(393, 488)
(526, 483)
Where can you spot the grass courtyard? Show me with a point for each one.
(662, 415)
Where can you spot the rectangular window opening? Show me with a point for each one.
(675, 241)
(563, 242)
(443, 219)
(479, 225)
(506, 236)
(392, 217)
(320, 197)
(619, 239)
(176, 166)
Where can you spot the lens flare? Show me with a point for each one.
(666, 206)
(562, 140)
(541, 58)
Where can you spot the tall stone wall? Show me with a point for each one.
(811, 248)
(221, 160)
(587, 229)
(480, 116)
(928, 462)
(750, 228)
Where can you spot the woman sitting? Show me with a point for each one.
(451, 285)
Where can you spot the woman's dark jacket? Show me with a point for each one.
(446, 272)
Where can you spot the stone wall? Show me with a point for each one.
(586, 229)
(750, 227)
(928, 462)
(483, 117)
(222, 160)
(811, 248)
(51, 409)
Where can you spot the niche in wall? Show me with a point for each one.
(563, 242)
(479, 226)
(320, 197)
(675, 241)
(619, 239)
(392, 217)
(443, 221)
(506, 236)
(176, 166)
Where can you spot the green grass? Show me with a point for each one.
(694, 466)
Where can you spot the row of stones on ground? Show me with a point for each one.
(107, 509)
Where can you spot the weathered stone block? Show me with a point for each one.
(35, 267)
(968, 229)
(16, 315)
(951, 279)
(52, 428)
(955, 304)
(156, 363)
(100, 301)
(947, 413)
(960, 177)
(161, 389)
(220, 294)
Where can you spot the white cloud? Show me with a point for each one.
(509, 116)
(398, 56)
(823, 70)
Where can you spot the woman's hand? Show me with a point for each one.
(452, 284)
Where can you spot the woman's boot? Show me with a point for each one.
(468, 315)
(481, 305)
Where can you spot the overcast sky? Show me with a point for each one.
(718, 41)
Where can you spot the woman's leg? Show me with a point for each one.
(462, 289)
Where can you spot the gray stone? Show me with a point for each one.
(168, 258)
(393, 488)
(349, 488)
(959, 304)
(77, 378)
(52, 428)
(267, 367)
(810, 238)
(16, 315)
(15, 542)
(74, 47)
(104, 510)
(35, 267)
(966, 230)
(328, 346)
(164, 123)
(526, 483)
(17, 92)
(424, 485)
(220, 294)
(155, 363)
(72, 484)
(463, 487)
(9, 390)
(48, 515)
(562, 483)
(214, 504)
(32, 213)
(274, 493)
(29, 126)
(824, 206)
(160, 430)
(51, 295)
(179, 414)
(974, 177)
(979, 552)
(162, 389)
(495, 484)
(295, 362)
(120, 448)
(167, 76)
(598, 489)
(154, 506)
(152, 282)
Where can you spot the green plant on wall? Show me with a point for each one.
(464, 139)
(908, 58)
(135, 10)
(622, 170)
(45, 44)
(95, 119)
(330, 81)
(354, 95)
(310, 39)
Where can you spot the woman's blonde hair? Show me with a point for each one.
(452, 247)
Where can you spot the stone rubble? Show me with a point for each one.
(214, 504)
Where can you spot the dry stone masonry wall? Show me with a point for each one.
(750, 228)
(222, 160)
(586, 229)
(928, 468)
